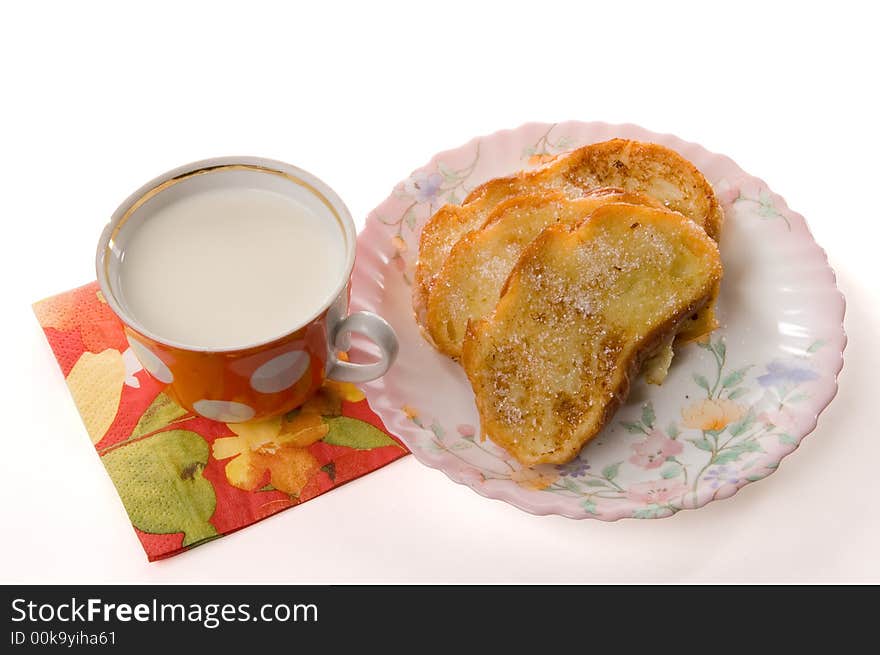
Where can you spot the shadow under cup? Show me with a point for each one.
(245, 381)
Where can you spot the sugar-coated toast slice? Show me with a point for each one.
(471, 279)
(581, 310)
(631, 165)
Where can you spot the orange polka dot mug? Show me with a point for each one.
(232, 279)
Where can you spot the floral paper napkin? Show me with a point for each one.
(185, 479)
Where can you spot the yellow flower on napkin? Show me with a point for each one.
(95, 382)
(279, 445)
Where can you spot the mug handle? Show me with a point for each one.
(377, 330)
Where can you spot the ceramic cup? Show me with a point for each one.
(251, 380)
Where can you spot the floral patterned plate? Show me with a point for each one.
(732, 406)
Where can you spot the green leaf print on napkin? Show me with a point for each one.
(351, 432)
(160, 413)
(160, 482)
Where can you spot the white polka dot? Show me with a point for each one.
(224, 410)
(280, 373)
(154, 366)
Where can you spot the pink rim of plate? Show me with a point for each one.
(374, 259)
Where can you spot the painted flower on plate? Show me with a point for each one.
(653, 450)
(712, 414)
(780, 374)
(576, 468)
(656, 492)
(726, 192)
(471, 475)
(782, 418)
(424, 187)
(398, 243)
(466, 430)
(537, 477)
(720, 475)
(540, 158)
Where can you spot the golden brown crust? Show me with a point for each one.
(632, 165)
(646, 167)
(448, 225)
(470, 281)
(579, 314)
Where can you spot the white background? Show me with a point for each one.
(98, 98)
